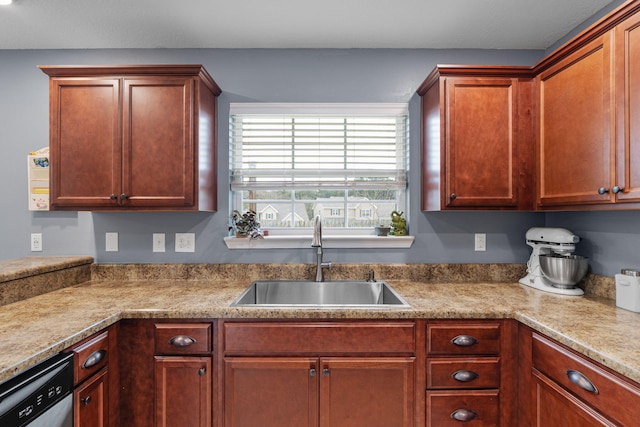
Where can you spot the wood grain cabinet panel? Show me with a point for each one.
(91, 402)
(477, 138)
(132, 137)
(471, 372)
(183, 387)
(271, 392)
(473, 407)
(627, 83)
(552, 403)
(96, 380)
(607, 393)
(576, 128)
(324, 373)
(372, 392)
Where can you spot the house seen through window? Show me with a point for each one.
(344, 162)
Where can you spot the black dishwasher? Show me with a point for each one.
(41, 396)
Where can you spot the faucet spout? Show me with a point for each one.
(317, 232)
(317, 243)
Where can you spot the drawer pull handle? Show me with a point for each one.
(579, 379)
(182, 341)
(94, 358)
(85, 400)
(464, 376)
(463, 415)
(464, 341)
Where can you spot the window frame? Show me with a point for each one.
(347, 109)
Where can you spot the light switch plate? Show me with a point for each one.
(185, 242)
(111, 242)
(158, 242)
(480, 242)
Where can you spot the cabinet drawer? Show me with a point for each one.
(452, 408)
(463, 373)
(463, 339)
(319, 338)
(615, 397)
(90, 356)
(182, 338)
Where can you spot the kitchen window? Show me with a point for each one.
(332, 160)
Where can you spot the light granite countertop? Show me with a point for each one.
(43, 325)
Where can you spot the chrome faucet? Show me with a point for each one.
(317, 243)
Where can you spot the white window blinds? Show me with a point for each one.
(316, 146)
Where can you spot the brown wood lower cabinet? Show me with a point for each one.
(319, 373)
(553, 403)
(91, 402)
(96, 397)
(560, 387)
(470, 368)
(325, 392)
(183, 391)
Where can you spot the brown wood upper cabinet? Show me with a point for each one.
(477, 138)
(588, 137)
(132, 137)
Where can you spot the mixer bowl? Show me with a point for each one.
(563, 270)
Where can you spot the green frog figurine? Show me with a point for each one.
(398, 224)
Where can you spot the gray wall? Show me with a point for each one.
(609, 238)
(244, 75)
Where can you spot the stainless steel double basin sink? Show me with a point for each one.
(328, 294)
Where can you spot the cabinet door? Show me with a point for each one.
(158, 142)
(576, 128)
(271, 392)
(84, 142)
(554, 406)
(479, 142)
(372, 392)
(183, 391)
(91, 402)
(628, 109)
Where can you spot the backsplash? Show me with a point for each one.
(27, 277)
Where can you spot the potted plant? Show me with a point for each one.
(246, 224)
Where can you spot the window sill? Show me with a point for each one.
(331, 242)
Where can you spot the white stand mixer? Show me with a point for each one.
(546, 241)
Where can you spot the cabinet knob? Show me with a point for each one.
(464, 341)
(85, 400)
(312, 372)
(579, 379)
(325, 372)
(464, 376)
(603, 190)
(182, 341)
(617, 189)
(124, 196)
(463, 415)
(113, 197)
(452, 196)
(202, 371)
(93, 359)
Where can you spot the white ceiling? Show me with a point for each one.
(488, 24)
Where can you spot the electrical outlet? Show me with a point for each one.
(185, 242)
(36, 242)
(111, 242)
(480, 242)
(158, 242)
